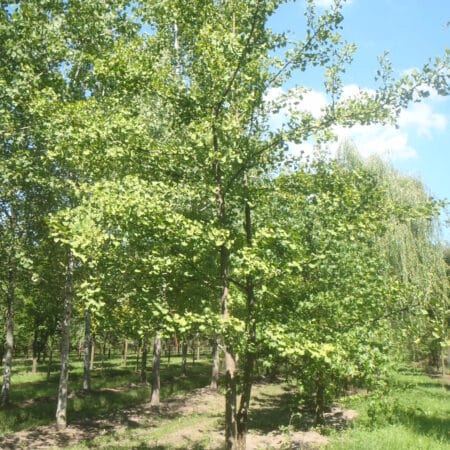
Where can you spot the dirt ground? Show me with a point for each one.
(192, 421)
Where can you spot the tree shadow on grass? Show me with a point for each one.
(435, 385)
(49, 437)
(192, 446)
(271, 412)
(428, 425)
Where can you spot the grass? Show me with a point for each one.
(413, 414)
(114, 388)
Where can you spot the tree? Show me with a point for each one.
(154, 139)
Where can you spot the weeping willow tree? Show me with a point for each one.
(414, 253)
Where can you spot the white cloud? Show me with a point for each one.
(327, 3)
(388, 142)
(312, 102)
(273, 94)
(352, 91)
(423, 119)
(307, 101)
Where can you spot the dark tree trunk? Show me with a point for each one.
(320, 402)
(215, 363)
(144, 358)
(168, 349)
(50, 357)
(9, 319)
(35, 353)
(2, 352)
(184, 350)
(61, 410)
(103, 348)
(197, 347)
(230, 361)
(87, 351)
(156, 380)
(125, 353)
(92, 361)
(249, 353)
(138, 354)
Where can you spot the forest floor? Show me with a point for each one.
(191, 421)
(413, 414)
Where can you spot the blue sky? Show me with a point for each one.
(412, 31)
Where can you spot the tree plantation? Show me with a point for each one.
(150, 208)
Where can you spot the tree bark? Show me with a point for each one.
(9, 319)
(197, 347)
(92, 362)
(35, 353)
(125, 353)
(2, 352)
(184, 349)
(320, 402)
(215, 363)
(138, 354)
(103, 351)
(230, 361)
(448, 356)
(249, 352)
(61, 410)
(87, 351)
(144, 358)
(50, 357)
(169, 350)
(156, 380)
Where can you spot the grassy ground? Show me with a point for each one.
(413, 414)
(114, 388)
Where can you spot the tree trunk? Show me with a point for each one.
(9, 320)
(35, 353)
(61, 410)
(92, 361)
(156, 380)
(2, 352)
(39, 351)
(144, 358)
(138, 354)
(197, 347)
(230, 400)
(448, 356)
(125, 353)
(184, 350)
(249, 353)
(103, 350)
(230, 361)
(320, 402)
(215, 363)
(50, 358)
(87, 351)
(169, 350)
